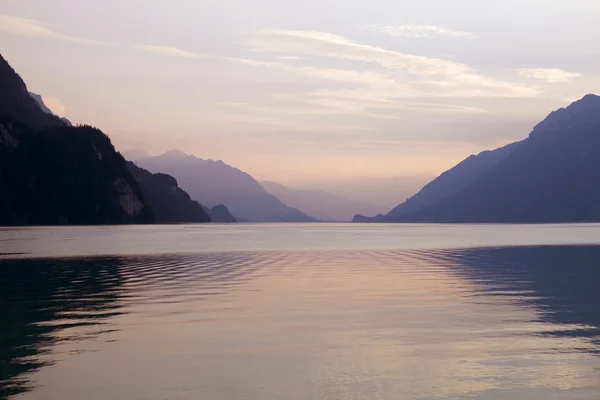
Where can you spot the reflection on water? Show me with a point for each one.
(493, 323)
(47, 302)
(560, 282)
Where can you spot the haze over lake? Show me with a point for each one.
(290, 311)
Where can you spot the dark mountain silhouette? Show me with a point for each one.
(450, 182)
(51, 173)
(321, 204)
(220, 213)
(214, 182)
(170, 203)
(453, 180)
(16, 102)
(552, 176)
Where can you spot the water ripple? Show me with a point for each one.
(411, 324)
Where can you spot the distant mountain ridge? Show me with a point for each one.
(552, 176)
(319, 203)
(215, 182)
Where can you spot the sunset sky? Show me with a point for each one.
(312, 90)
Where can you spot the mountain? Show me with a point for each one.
(40, 102)
(452, 181)
(220, 213)
(170, 203)
(51, 173)
(321, 204)
(16, 102)
(552, 176)
(214, 182)
(65, 175)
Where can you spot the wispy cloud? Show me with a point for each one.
(551, 75)
(169, 51)
(331, 74)
(377, 90)
(444, 78)
(323, 44)
(418, 31)
(372, 92)
(18, 26)
(289, 58)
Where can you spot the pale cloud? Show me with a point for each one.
(340, 75)
(375, 93)
(331, 74)
(169, 51)
(442, 108)
(552, 75)
(453, 79)
(289, 58)
(299, 112)
(12, 25)
(284, 107)
(323, 44)
(418, 31)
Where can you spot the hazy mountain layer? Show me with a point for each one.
(321, 204)
(214, 182)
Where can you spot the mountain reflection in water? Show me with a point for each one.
(291, 304)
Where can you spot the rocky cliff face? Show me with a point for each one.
(170, 203)
(53, 176)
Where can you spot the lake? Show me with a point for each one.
(300, 311)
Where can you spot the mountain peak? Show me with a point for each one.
(175, 153)
(587, 101)
(591, 96)
(579, 112)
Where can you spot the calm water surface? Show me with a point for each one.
(326, 311)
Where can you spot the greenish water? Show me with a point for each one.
(324, 311)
